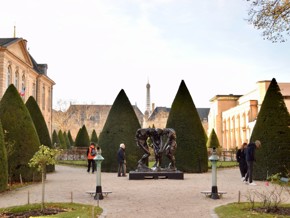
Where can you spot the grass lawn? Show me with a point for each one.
(81, 163)
(241, 210)
(71, 210)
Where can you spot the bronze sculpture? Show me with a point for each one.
(141, 138)
(156, 136)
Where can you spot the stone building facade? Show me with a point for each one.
(18, 67)
(94, 118)
(234, 116)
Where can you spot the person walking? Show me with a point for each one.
(99, 150)
(250, 158)
(121, 160)
(241, 159)
(91, 153)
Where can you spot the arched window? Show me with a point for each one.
(23, 87)
(8, 76)
(23, 82)
(16, 80)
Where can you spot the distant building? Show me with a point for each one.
(94, 116)
(234, 116)
(159, 117)
(18, 67)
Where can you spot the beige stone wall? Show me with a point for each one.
(95, 116)
(92, 116)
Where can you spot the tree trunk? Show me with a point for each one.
(43, 180)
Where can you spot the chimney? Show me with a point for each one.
(42, 68)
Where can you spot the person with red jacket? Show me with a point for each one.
(91, 153)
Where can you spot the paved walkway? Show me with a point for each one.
(136, 198)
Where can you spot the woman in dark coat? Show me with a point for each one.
(241, 159)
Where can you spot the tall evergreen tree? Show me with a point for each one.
(39, 122)
(94, 137)
(213, 141)
(67, 142)
(120, 127)
(272, 128)
(61, 140)
(3, 162)
(82, 139)
(71, 141)
(78, 138)
(40, 126)
(20, 129)
(55, 139)
(191, 153)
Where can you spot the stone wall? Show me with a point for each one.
(94, 118)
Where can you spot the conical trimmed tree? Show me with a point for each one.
(191, 153)
(272, 129)
(40, 126)
(213, 141)
(120, 127)
(61, 140)
(71, 141)
(83, 138)
(94, 137)
(20, 130)
(3, 162)
(39, 121)
(67, 142)
(55, 139)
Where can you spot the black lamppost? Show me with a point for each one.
(99, 194)
(213, 159)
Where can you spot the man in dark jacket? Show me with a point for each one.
(241, 159)
(121, 161)
(250, 158)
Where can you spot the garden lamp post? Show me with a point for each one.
(213, 159)
(99, 194)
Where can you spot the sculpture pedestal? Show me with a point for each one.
(134, 175)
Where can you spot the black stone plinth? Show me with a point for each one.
(214, 192)
(134, 175)
(99, 193)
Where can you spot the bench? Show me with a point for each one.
(208, 193)
(93, 193)
(284, 179)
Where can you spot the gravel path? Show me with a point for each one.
(137, 198)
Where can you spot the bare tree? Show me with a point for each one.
(272, 17)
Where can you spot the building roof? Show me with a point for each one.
(225, 97)
(202, 112)
(39, 68)
(4, 42)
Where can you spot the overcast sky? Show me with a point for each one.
(95, 48)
